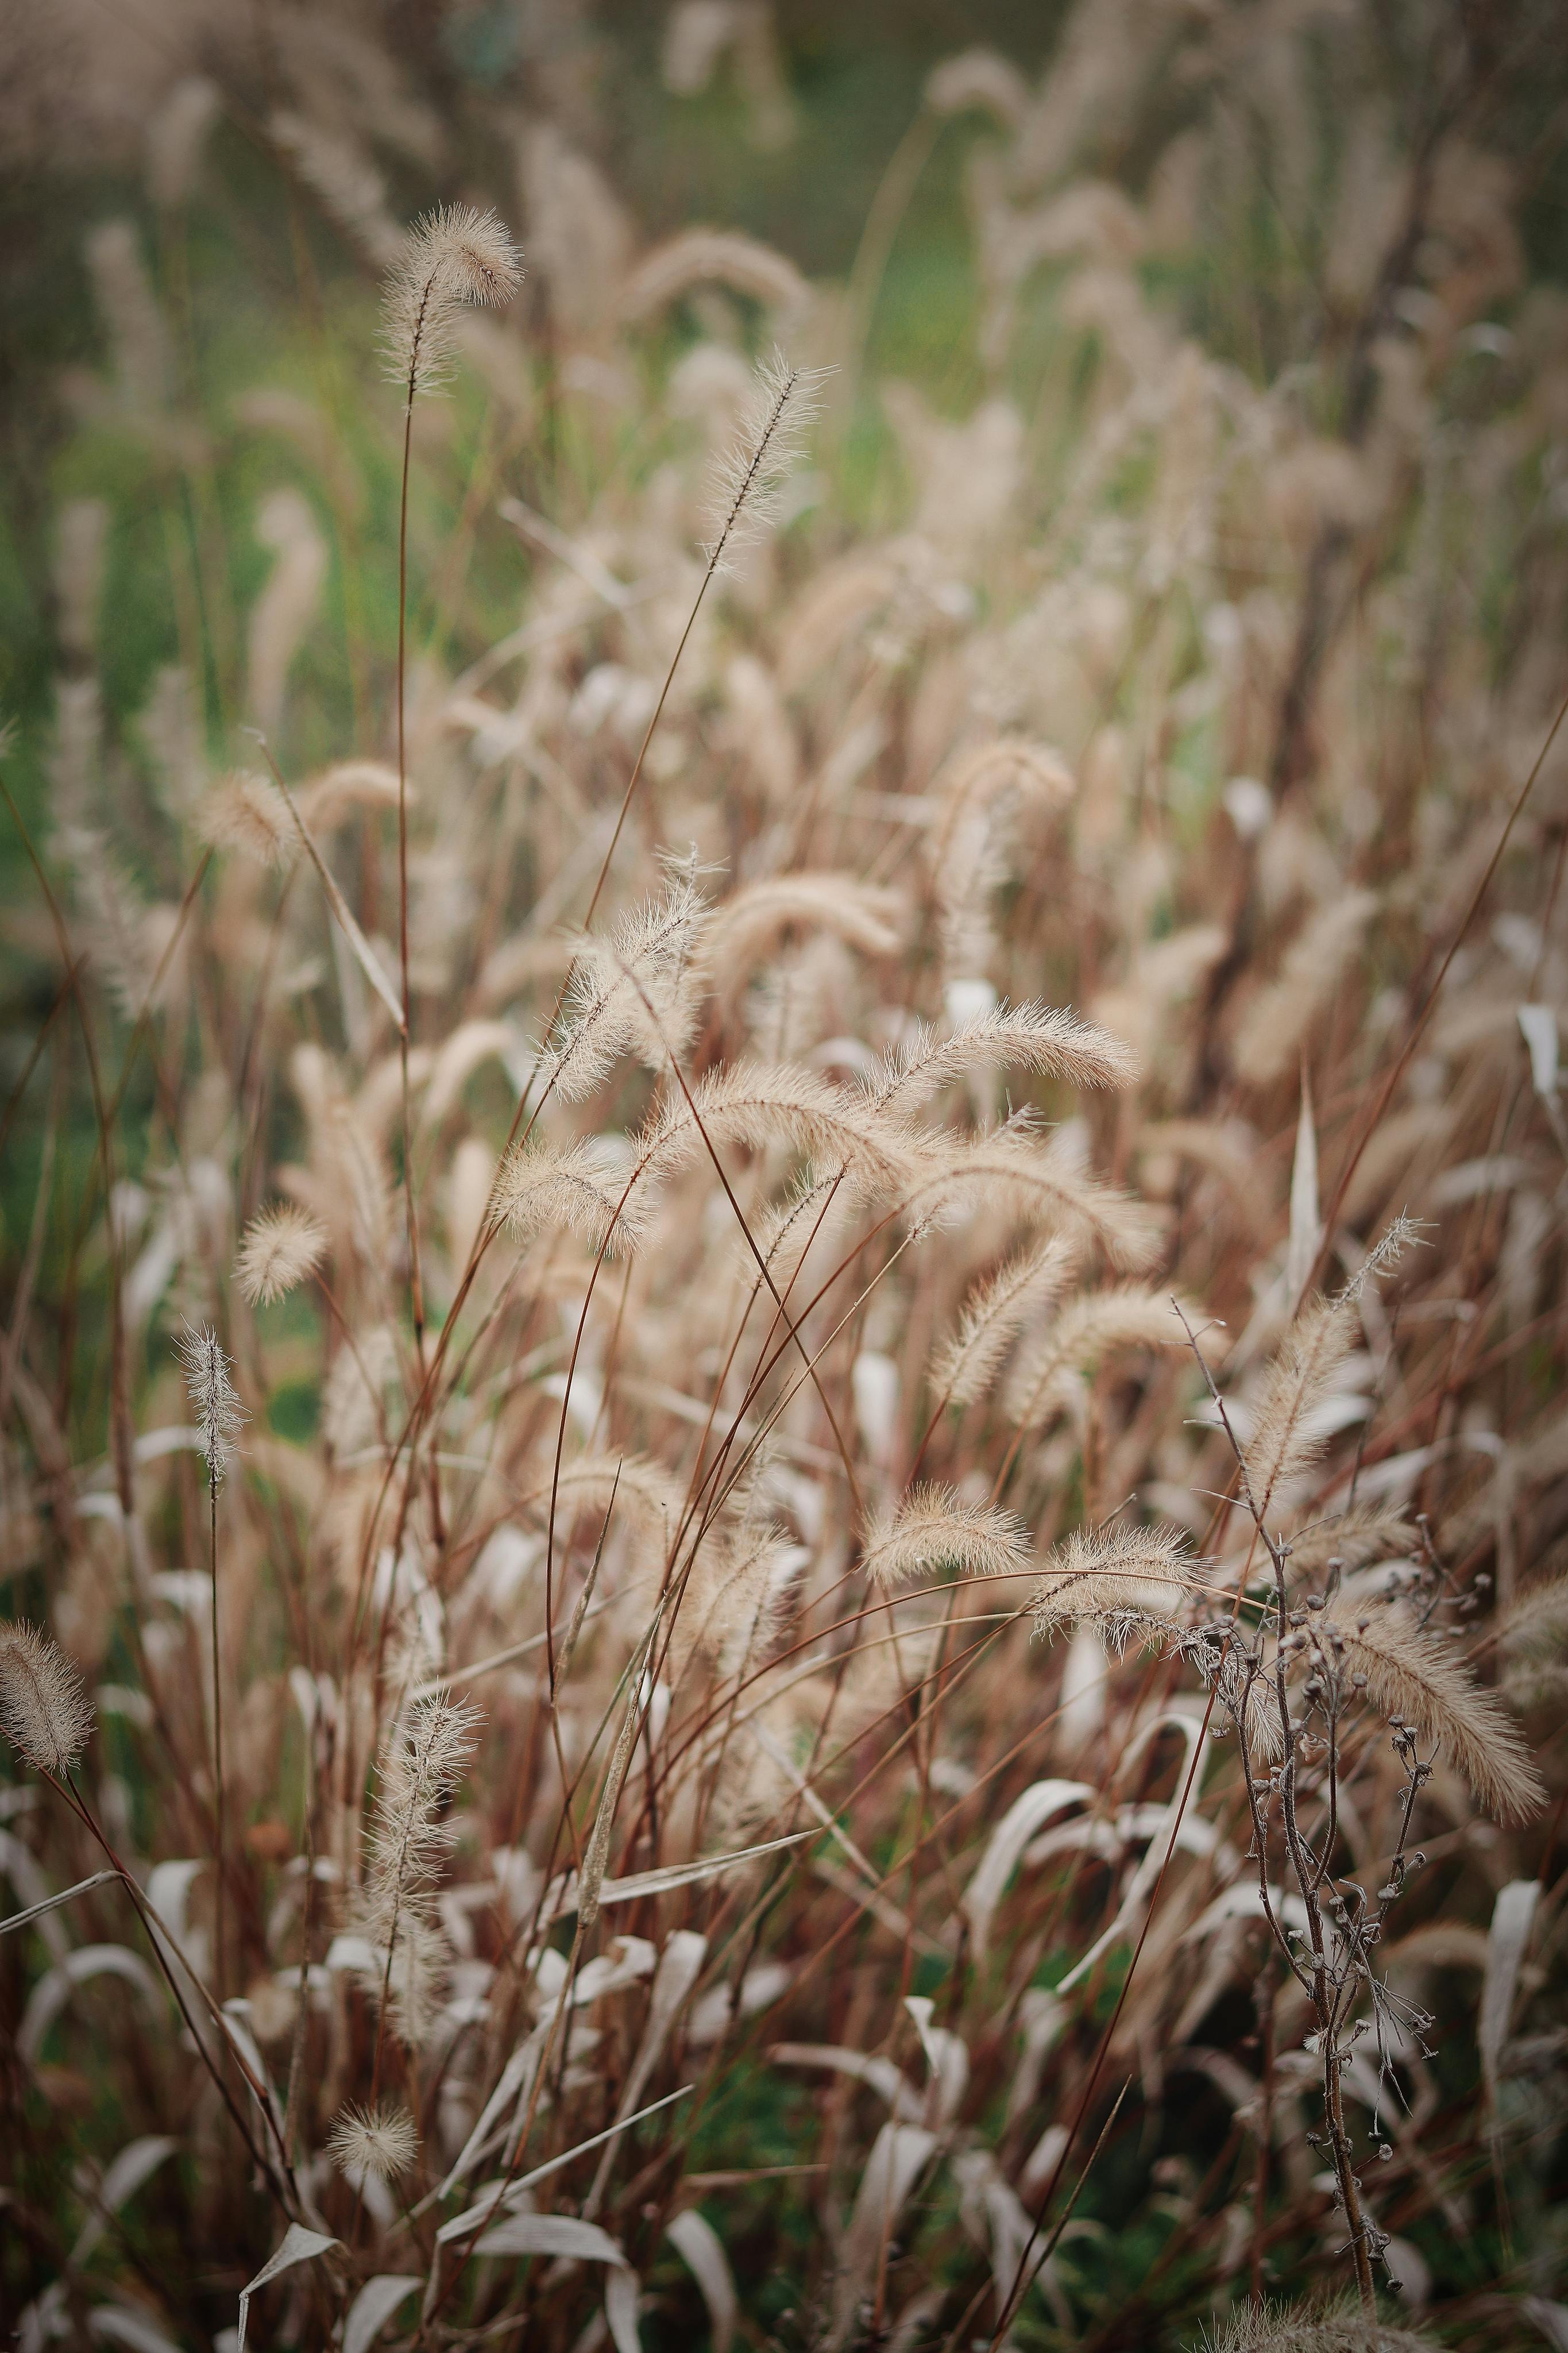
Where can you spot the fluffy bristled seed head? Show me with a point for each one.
(1098, 1325)
(1412, 1674)
(1038, 1183)
(1403, 1233)
(382, 2142)
(1362, 1533)
(754, 1106)
(1288, 1434)
(250, 816)
(46, 1715)
(454, 258)
(748, 485)
(646, 968)
(1342, 2329)
(1040, 1039)
(1122, 1577)
(582, 1191)
(993, 1314)
(419, 1767)
(281, 1246)
(811, 1214)
(631, 989)
(933, 1529)
(410, 1833)
(1286, 1437)
(219, 1415)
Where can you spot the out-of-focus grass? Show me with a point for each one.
(261, 291)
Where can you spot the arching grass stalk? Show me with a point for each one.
(454, 256)
(47, 1718)
(219, 1419)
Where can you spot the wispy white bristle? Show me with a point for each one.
(219, 1415)
(44, 1711)
(454, 258)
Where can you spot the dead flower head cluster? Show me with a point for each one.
(780, 1473)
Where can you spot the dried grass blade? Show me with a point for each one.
(50, 1903)
(365, 955)
(462, 2226)
(1513, 1916)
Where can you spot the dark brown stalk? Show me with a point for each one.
(218, 1793)
(415, 1287)
(120, 1435)
(155, 1935)
(714, 561)
(1264, 2003)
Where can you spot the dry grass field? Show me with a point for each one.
(782, 1478)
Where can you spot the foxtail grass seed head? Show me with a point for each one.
(410, 1835)
(1126, 1579)
(249, 816)
(632, 989)
(280, 1247)
(454, 258)
(382, 2142)
(583, 1191)
(1306, 2329)
(933, 1532)
(417, 1771)
(1039, 1038)
(219, 1415)
(1288, 1432)
(993, 1314)
(1401, 1234)
(46, 1715)
(746, 495)
(1094, 1326)
(1412, 1675)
